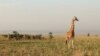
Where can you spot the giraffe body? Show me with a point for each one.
(71, 33)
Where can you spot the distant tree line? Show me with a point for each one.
(17, 36)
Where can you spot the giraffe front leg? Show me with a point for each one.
(72, 43)
(69, 44)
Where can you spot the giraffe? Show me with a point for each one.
(71, 33)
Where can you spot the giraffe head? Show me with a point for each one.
(75, 18)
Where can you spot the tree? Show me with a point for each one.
(16, 35)
(50, 35)
(88, 34)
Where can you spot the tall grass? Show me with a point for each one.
(84, 46)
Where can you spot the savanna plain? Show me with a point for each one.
(83, 46)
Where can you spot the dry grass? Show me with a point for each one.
(84, 46)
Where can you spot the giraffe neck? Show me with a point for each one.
(72, 26)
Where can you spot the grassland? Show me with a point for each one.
(84, 46)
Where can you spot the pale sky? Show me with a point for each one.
(49, 15)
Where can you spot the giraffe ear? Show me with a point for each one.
(76, 18)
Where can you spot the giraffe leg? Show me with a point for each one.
(67, 40)
(69, 44)
(72, 43)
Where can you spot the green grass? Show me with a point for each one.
(84, 46)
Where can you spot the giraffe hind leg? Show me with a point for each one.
(72, 43)
(69, 43)
(67, 40)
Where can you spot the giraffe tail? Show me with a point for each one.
(66, 41)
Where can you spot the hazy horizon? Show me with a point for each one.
(49, 15)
